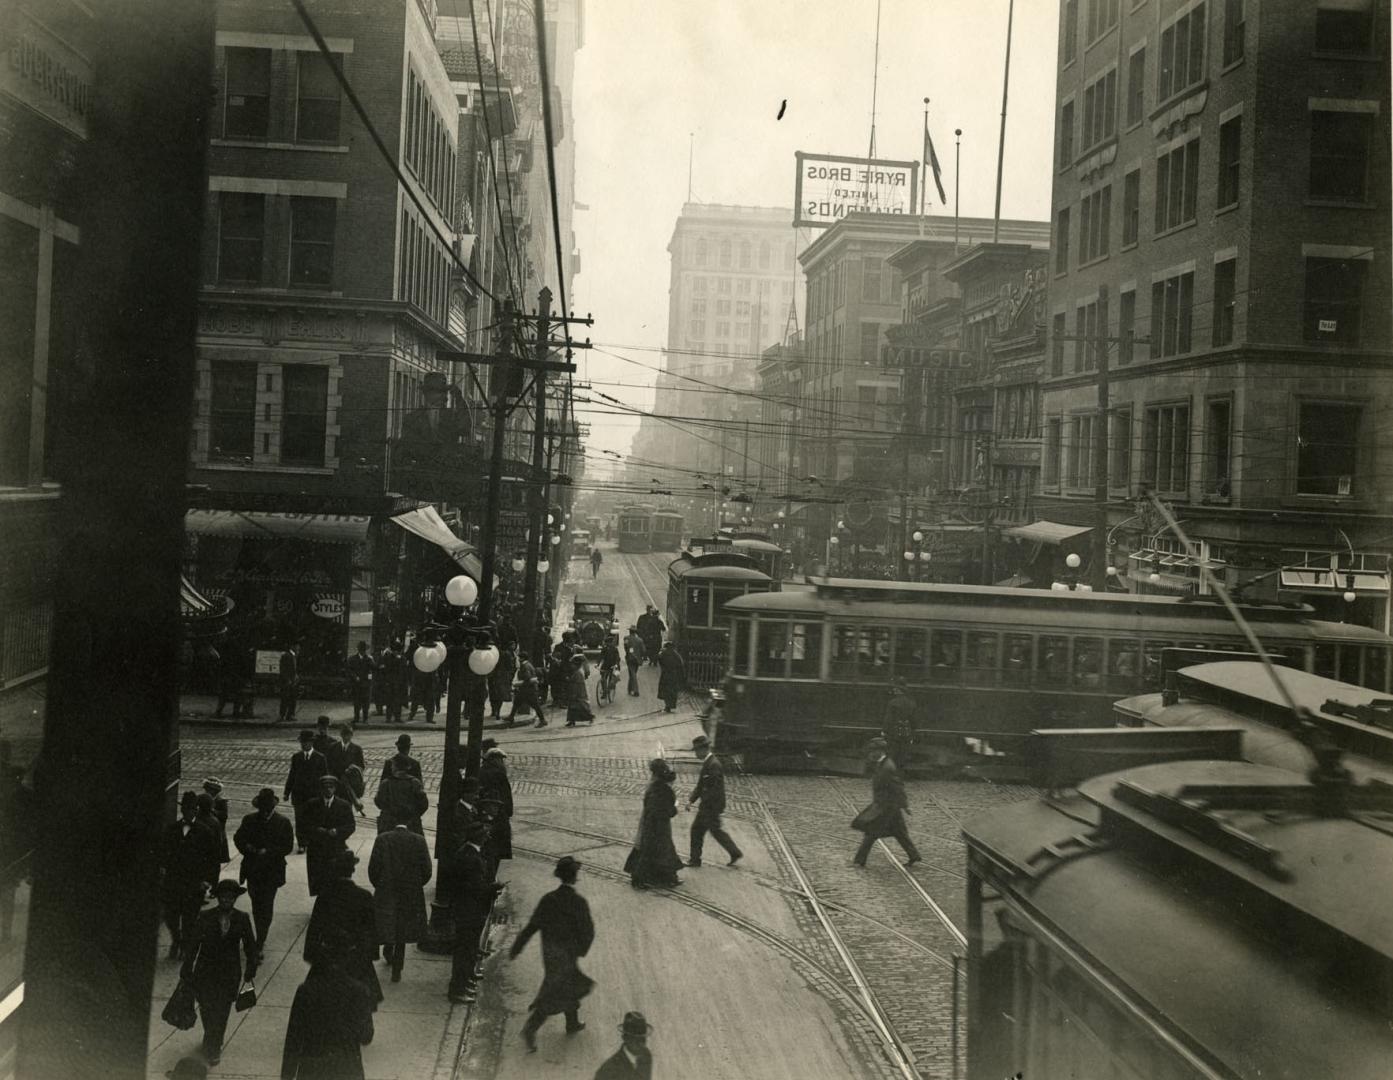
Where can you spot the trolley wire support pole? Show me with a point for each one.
(121, 454)
(1102, 442)
(527, 632)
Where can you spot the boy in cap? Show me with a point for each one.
(710, 791)
(633, 1059)
(264, 839)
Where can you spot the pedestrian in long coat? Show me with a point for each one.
(401, 799)
(634, 654)
(330, 1022)
(494, 785)
(471, 895)
(654, 859)
(344, 921)
(302, 782)
(289, 676)
(188, 855)
(329, 823)
(563, 918)
(710, 791)
(528, 696)
(500, 681)
(213, 963)
(889, 804)
(342, 756)
(578, 708)
(391, 681)
(651, 629)
(264, 839)
(672, 675)
(399, 869)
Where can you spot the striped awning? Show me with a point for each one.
(426, 522)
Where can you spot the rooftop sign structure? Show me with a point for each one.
(828, 188)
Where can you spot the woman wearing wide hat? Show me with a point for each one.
(654, 859)
(213, 966)
(563, 918)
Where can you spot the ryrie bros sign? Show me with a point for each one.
(829, 187)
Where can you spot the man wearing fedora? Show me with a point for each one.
(302, 782)
(563, 918)
(188, 853)
(399, 869)
(898, 722)
(213, 963)
(472, 899)
(889, 804)
(402, 761)
(710, 791)
(633, 1060)
(264, 839)
(328, 825)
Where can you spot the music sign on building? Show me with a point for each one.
(829, 187)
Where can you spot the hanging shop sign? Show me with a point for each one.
(327, 606)
(828, 188)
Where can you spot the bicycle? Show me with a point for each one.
(606, 686)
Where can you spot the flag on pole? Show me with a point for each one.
(931, 160)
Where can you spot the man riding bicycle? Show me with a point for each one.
(609, 664)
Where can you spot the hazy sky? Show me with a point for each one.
(653, 71)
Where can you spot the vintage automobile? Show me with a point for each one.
(580, 544)
(593, 622)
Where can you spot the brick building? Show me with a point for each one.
(325, 298)
(1221, 196)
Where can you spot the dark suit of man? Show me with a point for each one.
(264, 841)
(472, 895)
(289, 683)
(360, 673)
(340, 756)
(213, 966)
(189, 859)
(619, 1067)
(889, 799)
(400, 762)
(302, 786)
(710, 790)
(328, 825)
(330, 1021)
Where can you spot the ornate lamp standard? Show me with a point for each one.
(916, 555)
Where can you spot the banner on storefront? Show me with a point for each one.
(827, 188)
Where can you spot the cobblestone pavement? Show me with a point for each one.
(900, 946)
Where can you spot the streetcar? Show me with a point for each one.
(767, 555)
(699, 586)
(1189, 920)
(665, 531)
(809, 670)
(635, 528)
(1243, 695)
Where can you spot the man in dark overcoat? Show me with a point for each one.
(472, 897)
(187, 850)
(399, 869)
(302, 782)
(402, 759)
(495, 786)
(323, 738)
(344, 754)
(213, 963)
(390, 675)
(563, 918)
(264, 839)
(889, 804)
(528, 695)
(361, 670)
(401, 799)
(289, 673)
(672, 675)
(328, 825)
(710, 791)
(330, 1022)
(344, 921)
(633, 1060)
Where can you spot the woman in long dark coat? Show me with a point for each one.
(500, 681)
(330, 1022)
(345, 911)
(654, 860)
(563, 918)
(672, 675)
(494, 786)
(213, 963)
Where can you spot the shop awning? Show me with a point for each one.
(1046, 532)
(426, 522)
(255, 525)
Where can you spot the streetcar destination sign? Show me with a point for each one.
(828, 188)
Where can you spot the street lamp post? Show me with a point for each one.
(916, 554)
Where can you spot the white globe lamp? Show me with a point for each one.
(483, 661)
(1072, 561)
(543, 566)
(909, 556)
(555, 540)
(917, 536)
(518, 566)
(429, 657)
(551, 519)
(461, 590)
(835, 539)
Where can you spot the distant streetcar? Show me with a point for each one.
(635, 528)
(699, 587)
(665, 530)
(809, 670)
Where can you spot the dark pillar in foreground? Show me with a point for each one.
(109, 735)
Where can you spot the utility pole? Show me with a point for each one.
(527, 632)
(1101, 444)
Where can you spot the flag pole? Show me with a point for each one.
(924, 162)
(1001, 143)
(957, 177)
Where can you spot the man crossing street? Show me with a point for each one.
(710, 791)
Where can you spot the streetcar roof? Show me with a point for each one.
(741, 544)
(1145, 616)
(726, 565)
(1189, 943)
(667, 514)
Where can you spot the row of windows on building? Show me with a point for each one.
(248, 78)
(725, 286)
(268, 414)
(248, 220)
(424, 275)
(727, 253)
(831, 288)
(429, 146)
(1341, 143)
(1327, 443)
(1339, 28)
(1331, 312)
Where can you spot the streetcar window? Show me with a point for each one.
(1052, 663)
(771, 655)
(1017, 661)
(1349, 664)
(873, 654)
(696, 606)
(1151, 660)
(1325, 661)
(805, 661)
(1088, 662)
(982, 656)
(740, 647)
(1123, 665)
(723, 595)
(843, 652)
(1375, 673)
(947, 653)
(911, 647)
